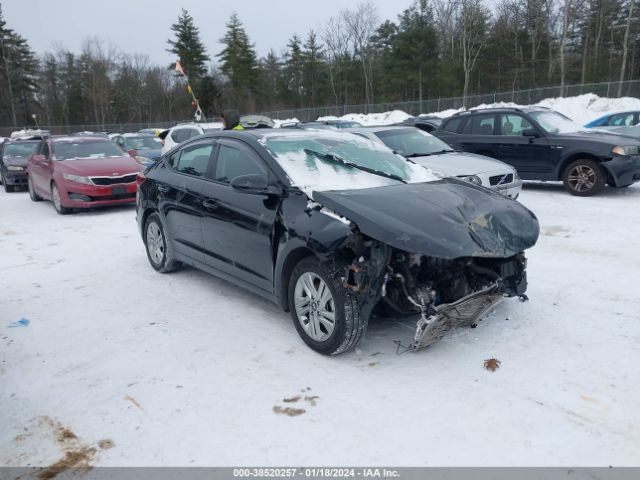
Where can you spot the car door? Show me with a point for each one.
(480, 135)
(238, 226)
(180, 197)
(530, 153)
(41, 169)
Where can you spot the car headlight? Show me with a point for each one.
(13, 168)
(515, 175)
(626, 150)
(141, 159)
(77, 178)
(472, 179)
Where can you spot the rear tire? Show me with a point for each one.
(158, 246)
(584, 178)
(32, 192)
(57, 201)
(325, 314)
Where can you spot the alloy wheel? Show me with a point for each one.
(55, 196)
(155, 243)
(582, 178)
(315, 307)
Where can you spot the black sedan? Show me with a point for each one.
(545, 145)
(332, 226)
(13, 162)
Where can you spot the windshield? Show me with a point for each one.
(412, 142)
(87, 149)
(554, 122)
(21, 149)
(313, 161)
(143, 143)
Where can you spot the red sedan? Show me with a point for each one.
(81, 172)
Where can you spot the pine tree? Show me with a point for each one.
(312, 56)
(18, 72)
(239, 63)
(294, 71)
(188, 47)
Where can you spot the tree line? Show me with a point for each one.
(435, 48)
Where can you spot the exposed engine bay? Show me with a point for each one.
(445, 292)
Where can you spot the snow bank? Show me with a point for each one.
(581, 109)
(385, 118)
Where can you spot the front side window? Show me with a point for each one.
(233, 162)
(481, 125)
(194, 160)
(514, 125)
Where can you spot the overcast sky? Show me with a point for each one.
(143, 26)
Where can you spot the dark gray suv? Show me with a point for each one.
(545, 145)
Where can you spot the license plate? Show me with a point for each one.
(119, 190)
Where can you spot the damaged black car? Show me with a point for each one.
(334, 228)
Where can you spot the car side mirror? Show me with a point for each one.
(530, 132)
(255, 184)
(39, 158)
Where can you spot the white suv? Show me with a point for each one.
(184, 131)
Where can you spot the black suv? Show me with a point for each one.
(545, 145)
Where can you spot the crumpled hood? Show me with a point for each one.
(446, 219)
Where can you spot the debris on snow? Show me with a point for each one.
(492, 364)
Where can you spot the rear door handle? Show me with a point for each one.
(163, 188)
(210, 204)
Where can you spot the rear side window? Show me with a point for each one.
(453, 124)
(233, 162)
(621, 120)
(194, 160)
(481, 125)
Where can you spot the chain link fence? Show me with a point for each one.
(629, 88)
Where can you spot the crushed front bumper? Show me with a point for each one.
(462, 313)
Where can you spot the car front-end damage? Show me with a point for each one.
(446, 250)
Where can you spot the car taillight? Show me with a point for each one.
(133, 152)
(140, 178)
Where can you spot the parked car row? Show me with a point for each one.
(338, 223)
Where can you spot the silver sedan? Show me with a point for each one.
(438, 156)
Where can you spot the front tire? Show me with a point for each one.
(32, 191)
(7, 188)
(57, 201)
(157, 246)
(325, 314)
(584, 178)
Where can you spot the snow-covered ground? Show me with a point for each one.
(131, 367)
(582, 109)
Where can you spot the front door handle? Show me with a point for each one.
(210, 204)
(163, 188)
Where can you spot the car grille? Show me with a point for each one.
(501, 179)
(113, 180)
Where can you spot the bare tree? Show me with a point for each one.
(473, 23)
(361, 24)
(569, 10)
(625, 46)
(336, 38)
